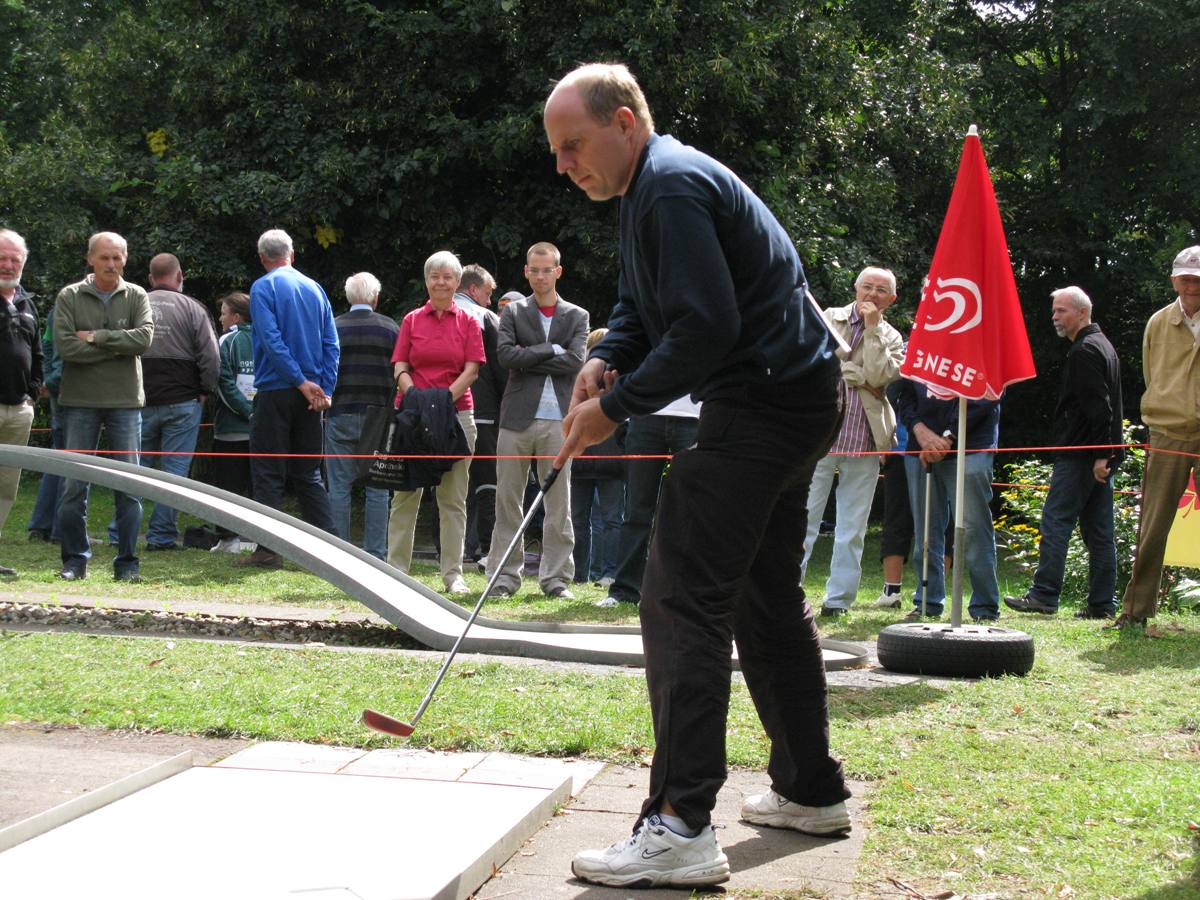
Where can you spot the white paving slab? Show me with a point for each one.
(294, 820)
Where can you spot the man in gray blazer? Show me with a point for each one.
(541, 342)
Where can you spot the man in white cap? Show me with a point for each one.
(1171, 410)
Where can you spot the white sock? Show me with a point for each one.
(678, 826)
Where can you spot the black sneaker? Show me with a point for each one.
(1088, 613)
(39, 534)
(130, 575)
(67, 573)
(156, 547)
(833, 612)
(1030, 604)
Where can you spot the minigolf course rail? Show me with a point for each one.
(404, 602)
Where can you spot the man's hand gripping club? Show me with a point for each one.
(586, 424)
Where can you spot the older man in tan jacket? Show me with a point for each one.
(1171, 410)
(868, 426)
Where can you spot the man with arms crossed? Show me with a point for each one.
(541, 344)
(711, 300)
(102, 326)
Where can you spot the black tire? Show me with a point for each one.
(969, 651)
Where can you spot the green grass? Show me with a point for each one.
(1076, 781)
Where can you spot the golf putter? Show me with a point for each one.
(377, 721)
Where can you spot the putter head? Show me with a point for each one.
(377, 721)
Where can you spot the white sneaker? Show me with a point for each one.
(606, 582)
(227, 545)
(482, 564)
(779, 812)
(888, 601)
(457, 586)
(655, 856)
(607, 603)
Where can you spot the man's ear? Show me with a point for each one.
(626, 120)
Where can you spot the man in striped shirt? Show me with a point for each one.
(868, 427)
(364, 380)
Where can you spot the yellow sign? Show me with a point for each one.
(1183, 543)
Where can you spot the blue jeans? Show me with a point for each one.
(857, 479)
(980, 537)
(1076, 496)
(596, 510)
(648, 435)
(123, 428)
(342, 433)
(49, 496)
(171, 428)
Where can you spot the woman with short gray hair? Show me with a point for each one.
(439, 346)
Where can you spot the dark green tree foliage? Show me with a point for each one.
(377, 133)
(1093, 135)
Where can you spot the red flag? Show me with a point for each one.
(968, 339)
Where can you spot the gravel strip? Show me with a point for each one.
(246, 628)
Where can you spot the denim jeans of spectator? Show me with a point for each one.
(49, 496)
(857, 478)
(596, 510)
(1076, 496)
(647, 435)
(123, 433)
(171, 428)
(342, 433)
(285, 445)
(980, 534)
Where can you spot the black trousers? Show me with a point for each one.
(231, 473)
(481, 492)
(725, 565)
(282, 423)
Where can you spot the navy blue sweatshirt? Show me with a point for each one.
(711, 294)
(915, 404)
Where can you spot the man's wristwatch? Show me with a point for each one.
(91, 337)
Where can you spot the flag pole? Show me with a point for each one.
(960, 531)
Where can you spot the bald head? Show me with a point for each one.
(164, 269)
(597, 123)
(605, 88)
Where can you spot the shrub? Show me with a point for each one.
(1017, 526)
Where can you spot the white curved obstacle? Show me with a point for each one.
(406, 603)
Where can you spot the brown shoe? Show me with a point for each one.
(1123, 622)
(261, 558)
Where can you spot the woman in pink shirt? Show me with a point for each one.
(439, 346)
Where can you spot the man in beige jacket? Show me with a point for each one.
(868, 426)
(1171, 410)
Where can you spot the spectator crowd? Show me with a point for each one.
(295, 395)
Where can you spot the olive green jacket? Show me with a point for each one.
(106, 374)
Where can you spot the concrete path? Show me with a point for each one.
(40, 766)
